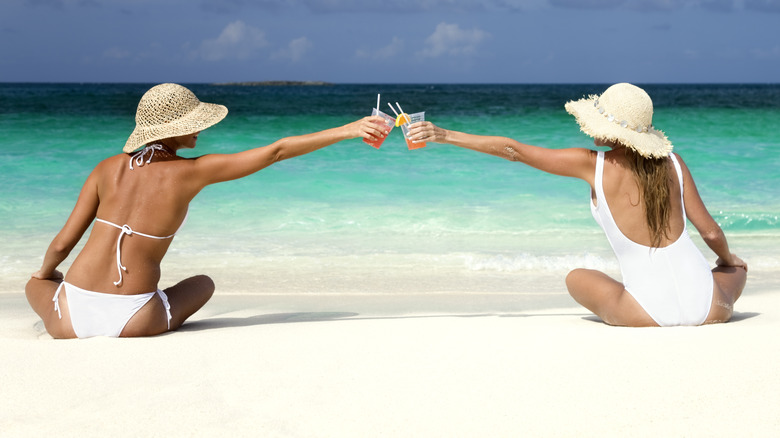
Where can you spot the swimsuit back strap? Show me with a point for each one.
(599, 180)
(126, 230)
(678, 169)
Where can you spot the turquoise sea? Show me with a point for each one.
(351, 206)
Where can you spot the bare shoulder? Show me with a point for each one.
(113, 162)
(681, 162)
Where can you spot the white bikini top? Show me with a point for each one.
(125, 229)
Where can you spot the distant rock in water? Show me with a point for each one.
(275, 83)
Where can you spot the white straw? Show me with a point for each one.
(391, 107)
(377, 103)
(399, 107)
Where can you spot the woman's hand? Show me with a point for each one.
(56, 275)
(734, 262)
(427, 132)
(370, 128)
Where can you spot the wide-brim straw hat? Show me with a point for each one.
(623, 113)
(170, 110)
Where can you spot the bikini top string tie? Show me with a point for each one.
(119, 266)
(126, 230)
(138, 157)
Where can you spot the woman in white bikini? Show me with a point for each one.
(641, 194)
(140, 199)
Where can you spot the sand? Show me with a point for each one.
(397, 365)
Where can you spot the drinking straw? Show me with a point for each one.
(402, 112)
(391, 107)
(377, 103)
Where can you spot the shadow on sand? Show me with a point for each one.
(276, 318)
(299, 317)
(736, 317)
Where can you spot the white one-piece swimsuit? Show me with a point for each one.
(674, 283)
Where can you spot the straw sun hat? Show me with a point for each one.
(170, 110)
(623, 113)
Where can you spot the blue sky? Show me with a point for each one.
(403, 41)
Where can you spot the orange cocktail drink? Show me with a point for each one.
(412, 118)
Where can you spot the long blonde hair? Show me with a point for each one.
(652, 177)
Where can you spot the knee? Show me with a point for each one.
(28, 288)
(35, 290)
(32, 285)
(573, 277)
(205, 284)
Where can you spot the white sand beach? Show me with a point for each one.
(433, 364)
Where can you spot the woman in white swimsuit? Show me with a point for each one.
(641, 194)
(140, 199)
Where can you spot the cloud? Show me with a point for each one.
(763, 5)
(586, 4)
(387, 52)
(237, 41)
(659, 5)
(669, 5)
(451, 40)
(233, 7)
(64, 4)
(383, 6)
(718, 5)
(295, 50)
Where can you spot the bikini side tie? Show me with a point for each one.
(56, 298)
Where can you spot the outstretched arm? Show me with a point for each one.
(710, 231)
(573, 162)
(213, 168)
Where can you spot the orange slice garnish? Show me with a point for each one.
(402, 120)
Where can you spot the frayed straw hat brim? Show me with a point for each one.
(651, 143)
(178, 111)
(204, 116)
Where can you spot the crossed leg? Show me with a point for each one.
(729, 283)
(185, 298)
(40, 294)
(609, 300)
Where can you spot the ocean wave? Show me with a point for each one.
(547, 263)
(565, 263)
(748, 221)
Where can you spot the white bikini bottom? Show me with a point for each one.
(101, 314)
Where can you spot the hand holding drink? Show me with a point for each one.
(427, 132)
(389, 122)
(404, 121)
